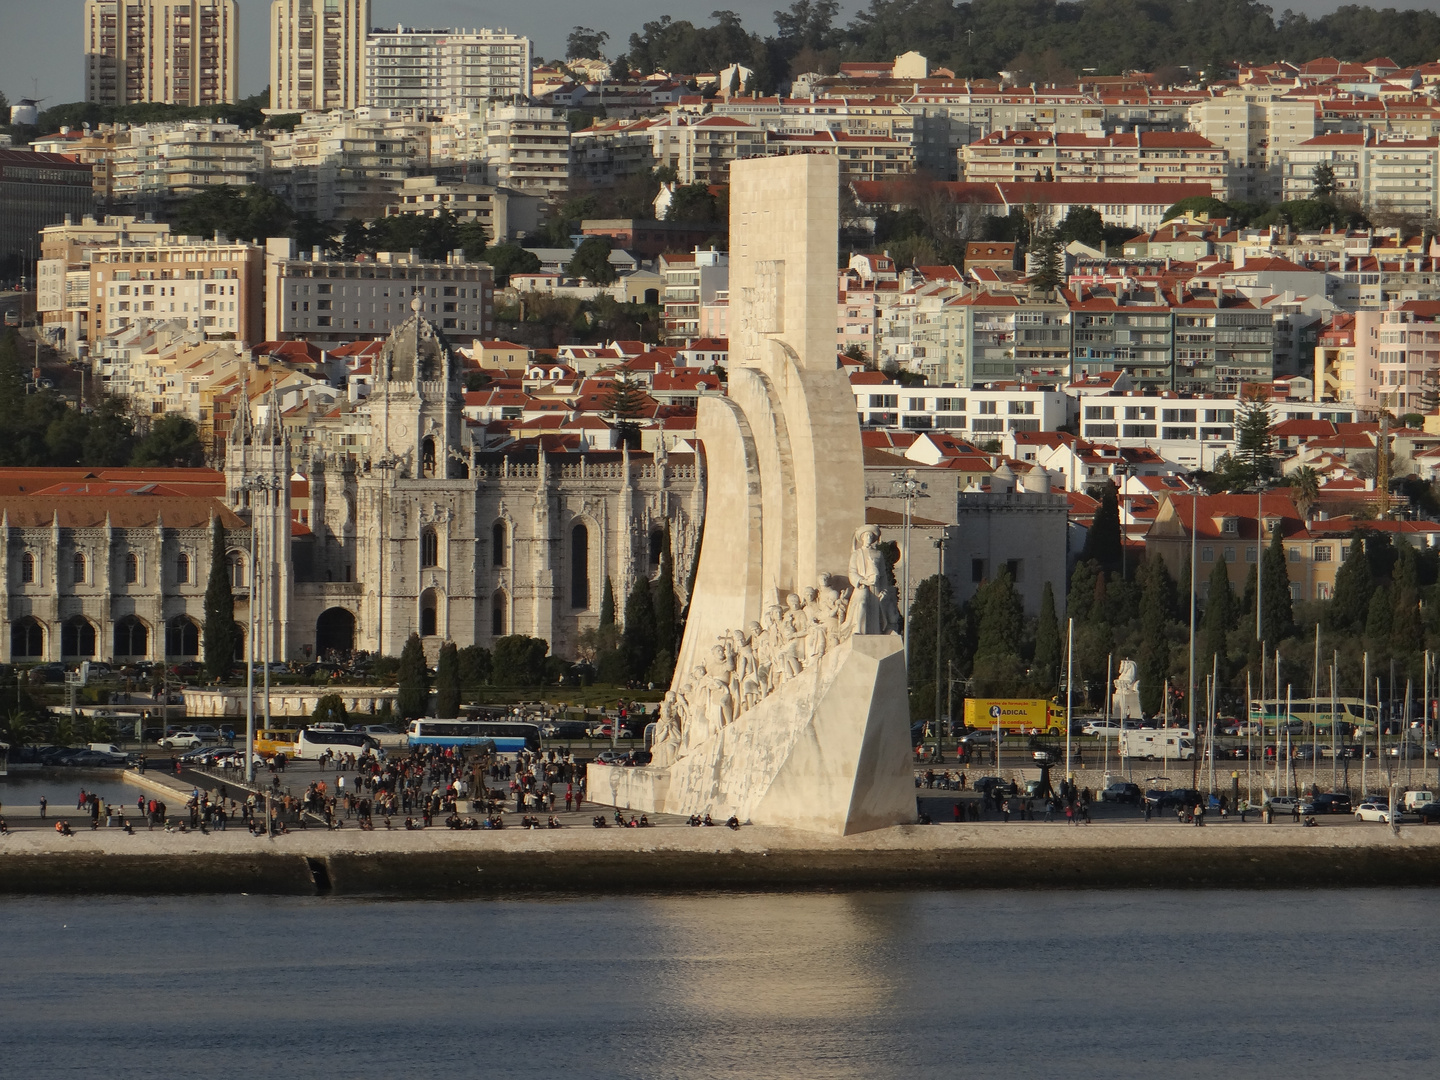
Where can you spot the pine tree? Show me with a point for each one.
(1349, 608)
(220, 632)
(607, 603)
(1048, 259)
(1103, 541)
(638, 641)
(447, 682)
(625, 402)
(414, 680)
(1253, 442)
(1277, 618)
(1221, 612)
(1049, 644)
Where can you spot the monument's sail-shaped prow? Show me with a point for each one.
(789, 701)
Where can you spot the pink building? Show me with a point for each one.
(1397, 352)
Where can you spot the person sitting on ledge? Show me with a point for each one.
(707, 820)
(63, 828)
(1310, 820)
(733, 823)
(644, 821)
(4, 828)
(632, 823)
(599, 822)
(552, 823)
(924, 820)
(619, 818)
(694, 820)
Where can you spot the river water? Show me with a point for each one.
(1159, 985)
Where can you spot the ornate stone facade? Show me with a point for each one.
(421, 535)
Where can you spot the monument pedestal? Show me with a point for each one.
(829, 751)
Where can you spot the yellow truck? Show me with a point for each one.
(1018, 715)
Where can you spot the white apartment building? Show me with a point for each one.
(690, 282)
(979, 415)
(317, 54)
(1167, 157)
(157, 162)
(63, 272)
(348, 163)
(444, 70)
(179, 52)
(528, 148)
(1381, 172)
(336, 300)
(1257, 129)
(505, 214)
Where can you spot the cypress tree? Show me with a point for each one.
(1220, 614)
(1002, 618)
(664, 600)
(1379, 619)
(1349, 608)
(414, 680)
(1407, 629)
(607, 603)
(1277, 618)
(638, 639)
(220, 632)
(447, 682)
(1049, 643)
(1082, 591)
(1103, 541)
(1156, 605)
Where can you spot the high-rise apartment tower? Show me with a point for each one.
(445, 71)
(317, 54)
(180, 52)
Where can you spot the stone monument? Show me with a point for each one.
(1125, 704)
(789, 702)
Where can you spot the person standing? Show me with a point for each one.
(43, 805)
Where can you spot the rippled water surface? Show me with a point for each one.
(1054, 985)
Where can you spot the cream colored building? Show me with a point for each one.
(1257, 128)
(317, 54)
(63, 272)
(157, 163)
(528, 148)
(505, 214)
(348, 163)
(180, 52)
(214, 287)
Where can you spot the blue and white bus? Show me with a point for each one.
(509, 737)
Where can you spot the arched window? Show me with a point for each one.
(182, 569)
(428, 618)
(132, 569)
(499, 541)
(580, 566)
(429, 547)
(237, 570)
(182, 637)
(77, 637)
(132, 637)
(27, 639)
(27, 568)
(427, 456)
(657, 545)
(78, 565)
(499, 613)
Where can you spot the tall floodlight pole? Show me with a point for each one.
(250, 664)
(939, 617)
(1425, 724)
(1259, 572)
(1364, 719)
(1194, 531)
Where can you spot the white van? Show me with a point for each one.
(107, 748)
(1414, 800)
(1151, 743)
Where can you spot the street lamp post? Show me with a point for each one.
(939, 615)
(907, 487)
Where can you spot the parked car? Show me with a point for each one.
(611, 757)
(1122, 792)
(986, 784)
(1429, 814)
(1331, 802)
(1102, 728)
(181, 740)
(1373, 810)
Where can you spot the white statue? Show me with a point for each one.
(872, 605)
(1125, 703)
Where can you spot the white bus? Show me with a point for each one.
(311, 743)
(1163, 743)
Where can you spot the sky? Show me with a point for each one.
(41, 42)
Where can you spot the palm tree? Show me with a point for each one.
(1305, 486)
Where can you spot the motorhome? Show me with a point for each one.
(1158, 743)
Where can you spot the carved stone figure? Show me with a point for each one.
(872, 604)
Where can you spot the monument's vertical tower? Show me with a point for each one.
(788, 425)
